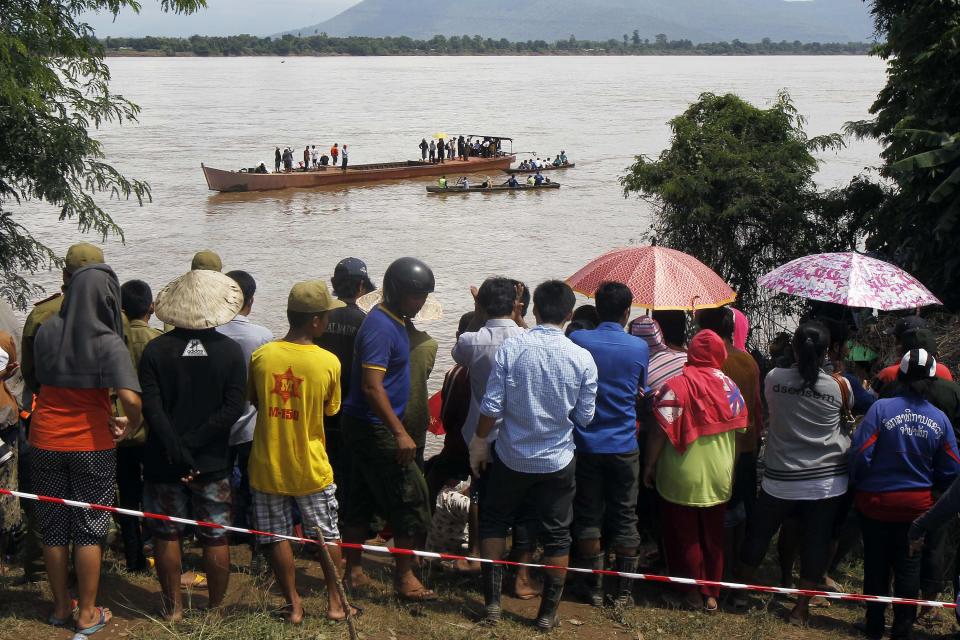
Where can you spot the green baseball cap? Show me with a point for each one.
(82, 254)
(207, 260)
(312, 296)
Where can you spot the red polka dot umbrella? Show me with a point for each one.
(660, 278)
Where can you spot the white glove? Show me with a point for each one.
(479, 450)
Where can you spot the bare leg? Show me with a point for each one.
(335, 605)
(526, 586)
(216, 562)
(406, 582)
(86, 560)
(355, 576)
(281, 559)
(801, 612)
(57, 574)
(473, 539)
(167, 555)
(493, 548)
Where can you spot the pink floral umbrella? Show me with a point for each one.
(851, 279)
(660, 278)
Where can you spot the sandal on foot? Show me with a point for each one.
(357, 612)
(100, 624)
(199, 581)
(54, 621)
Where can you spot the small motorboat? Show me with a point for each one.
(498, 187)
(514, 170)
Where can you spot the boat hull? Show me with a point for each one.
(237, 181)
(542, 169)
(478, 189)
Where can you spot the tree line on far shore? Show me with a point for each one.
(320, 44)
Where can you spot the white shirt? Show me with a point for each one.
(476, 351)
(250, 337)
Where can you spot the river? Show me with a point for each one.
(232, 112)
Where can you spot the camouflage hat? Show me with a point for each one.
(206, 260)
(82, 254)
(311, 296)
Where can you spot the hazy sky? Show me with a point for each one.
(221, 17)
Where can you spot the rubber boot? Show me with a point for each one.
(548, 617)
(593, 582)
(492, 575)
(626, 564)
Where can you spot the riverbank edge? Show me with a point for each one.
(157, 53)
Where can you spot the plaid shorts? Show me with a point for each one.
(318, 512)
(207, 501)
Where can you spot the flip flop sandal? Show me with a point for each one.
(199, 582)
(54, 621)
(92, 629)
(358, 611)
(281, 615)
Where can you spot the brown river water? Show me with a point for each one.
(231, 113)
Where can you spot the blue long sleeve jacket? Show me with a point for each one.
(903, 444)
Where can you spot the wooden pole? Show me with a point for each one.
(328, 565)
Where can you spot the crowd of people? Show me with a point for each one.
(284, 161)
(572, 441)
(535, 164)
(440, 150)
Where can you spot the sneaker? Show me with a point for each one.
(6, 453)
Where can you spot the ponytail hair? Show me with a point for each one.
(810, 344)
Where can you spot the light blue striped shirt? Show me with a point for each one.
(541, 383)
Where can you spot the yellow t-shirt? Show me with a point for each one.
(294, 386)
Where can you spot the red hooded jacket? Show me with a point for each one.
(702, 401)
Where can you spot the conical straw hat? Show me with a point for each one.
(199, 299)
(432, 310)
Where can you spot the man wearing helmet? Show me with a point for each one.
(385, 478)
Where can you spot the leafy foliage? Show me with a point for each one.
(54, 87)
(735, 189)
(320, 44)
(917, 118)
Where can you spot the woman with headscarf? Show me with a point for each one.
(690, 460)
(80, 357)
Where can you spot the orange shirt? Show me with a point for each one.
(72, 420)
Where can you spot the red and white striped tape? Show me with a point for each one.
(432, 555)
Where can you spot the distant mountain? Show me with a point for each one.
(697, 20)
(219, 18)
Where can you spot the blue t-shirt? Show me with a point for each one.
(622, 361)
(381, 343)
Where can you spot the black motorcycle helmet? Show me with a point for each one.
(406, 276)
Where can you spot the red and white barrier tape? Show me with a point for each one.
(431, 555)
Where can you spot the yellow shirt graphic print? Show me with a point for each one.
(294, 387)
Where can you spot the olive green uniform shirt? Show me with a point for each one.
(423, 355)
(40, 313)
(138, 333)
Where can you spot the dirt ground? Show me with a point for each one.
(251, 612)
